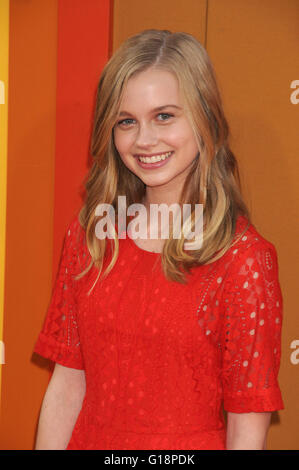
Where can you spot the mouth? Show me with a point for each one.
(154, 158)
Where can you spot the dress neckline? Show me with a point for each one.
(151, 253)
(241, 220)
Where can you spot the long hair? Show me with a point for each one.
(213, 180)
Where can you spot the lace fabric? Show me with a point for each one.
(161, 358)
(251, 330)
(59, 338)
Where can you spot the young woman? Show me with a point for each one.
(151, 340)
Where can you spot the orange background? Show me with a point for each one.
(56, 52)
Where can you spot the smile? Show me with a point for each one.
(154, 159)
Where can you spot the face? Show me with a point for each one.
(152, 134)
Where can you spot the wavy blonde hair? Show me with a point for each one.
(213, 180)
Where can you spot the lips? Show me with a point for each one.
(151, 154)
(154, 162)
(154, 158)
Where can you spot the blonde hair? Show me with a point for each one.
(213, 180)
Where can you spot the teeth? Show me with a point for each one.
(156, 158)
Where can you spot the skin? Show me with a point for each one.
(142, 129)
(60, 408)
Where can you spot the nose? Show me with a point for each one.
(147, 136)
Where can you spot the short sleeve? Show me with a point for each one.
(251, 333)
(59, 337)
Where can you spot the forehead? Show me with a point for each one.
(150, 89)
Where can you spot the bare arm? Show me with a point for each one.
(247, 431)
(60, 408)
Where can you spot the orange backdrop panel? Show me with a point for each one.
(30, 195)
(4, 49)
(254, 47)
(132, 16)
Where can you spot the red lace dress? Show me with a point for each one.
(163, 359)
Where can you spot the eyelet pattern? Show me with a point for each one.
(161, 358)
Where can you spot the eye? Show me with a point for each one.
(165, 116)
(125, 122)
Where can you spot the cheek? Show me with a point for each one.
(183, 138)
(122, 142)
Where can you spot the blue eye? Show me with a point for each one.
(125, 122)
(165, 116)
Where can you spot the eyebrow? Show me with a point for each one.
(159, 108)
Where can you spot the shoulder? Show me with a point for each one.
(248, 239)
(252, 259)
